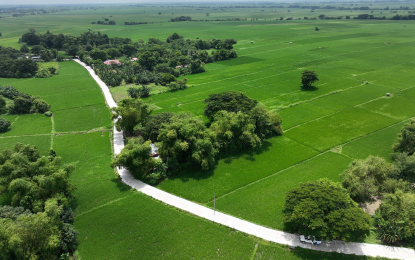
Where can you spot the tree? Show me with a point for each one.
(30, 179)
(308, 77)
(406, 139)
(231, 101)
(32, 236)
(395, 218)
(152, 127)
(4, 125)
(324, 209)
(185, 139)
(131, 114)
(364, 179)
(267, 122)
(136, 156)
(72, 50)
(405, 165)
(167, 78)
(24, 49)
(22, 105)
(234, 131)
(37, 49)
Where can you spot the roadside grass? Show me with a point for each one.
(276, 252)
(333, 130)
(235, 171)
(262, 202)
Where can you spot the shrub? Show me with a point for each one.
(48, 113)
(2, 104)
(167, 78)
(40, 106)
(4, 125)
(141, 92)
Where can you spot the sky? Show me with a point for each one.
(65, 2)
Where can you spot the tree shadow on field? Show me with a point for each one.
(308, 88)
(195, 173)
(120, 184)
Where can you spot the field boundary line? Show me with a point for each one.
(104, 205)
(247, 227)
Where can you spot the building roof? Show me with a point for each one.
(109, 62)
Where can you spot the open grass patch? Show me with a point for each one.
(333, 130)
(82, 118)
(237, 170)
(30, 124)
(262, 202)
(42, 142)
(378, 143)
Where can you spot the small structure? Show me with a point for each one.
(110, 62)
(36, 58)
(319, 48)
(154, 151)
(252, 41)
(388, 94)
(178, 67)
(291, 42)
(133, 59)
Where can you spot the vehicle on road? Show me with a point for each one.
(309, 240)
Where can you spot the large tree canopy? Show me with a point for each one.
(325, 209)
(231, 101)
(308, 77)
(186, 139)
(131, 114)
(364, 179)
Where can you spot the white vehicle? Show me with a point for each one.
(309, 240)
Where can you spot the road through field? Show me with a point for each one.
(236, 223)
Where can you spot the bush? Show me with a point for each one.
(68, 239)
(141, 92)
(4, 125)
(48, 113)
(167, 78)
(22, 105)
(40, 106)
(2, 104)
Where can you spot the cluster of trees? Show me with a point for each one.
(181, 19)
(134, 23)
(11, 67)
(38, 223)
(105, 22)
(157, 60)
(375, 178)
(22, 103)
(329, 210)
(236, 123)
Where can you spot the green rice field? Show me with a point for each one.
(346, 116)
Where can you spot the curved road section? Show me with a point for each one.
(236, 223)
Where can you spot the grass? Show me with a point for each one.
(341, 113)
(238, 170)
(47, 65)
(262, 201)
(120, 92)
(333, 130)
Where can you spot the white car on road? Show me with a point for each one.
(309, 240)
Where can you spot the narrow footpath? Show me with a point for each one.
(236, 223)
